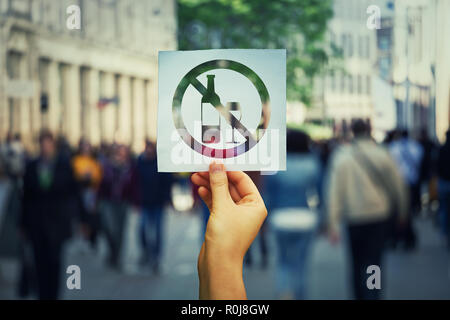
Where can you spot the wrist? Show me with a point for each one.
(220, 278)
(220, 253)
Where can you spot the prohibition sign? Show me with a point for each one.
(250, 139)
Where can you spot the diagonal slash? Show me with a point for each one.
(225, 113)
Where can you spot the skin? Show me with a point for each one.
(48, 148)
(237, 212)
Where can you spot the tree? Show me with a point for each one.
(297, 25)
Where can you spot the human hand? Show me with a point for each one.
(237, 212)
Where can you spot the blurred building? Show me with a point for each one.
(344, 93)
(384, 107)
(98, 81)
(421, 70)
(385, 42)
(441, 69)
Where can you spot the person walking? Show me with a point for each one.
(154, 194)
(114, 198)
(408, 155)
(367, 193)
(287, 194)
(50, 200)
(443, 171)
(88, 174)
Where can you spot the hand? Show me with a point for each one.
(237, 213)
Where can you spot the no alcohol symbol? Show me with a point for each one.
(210, 133)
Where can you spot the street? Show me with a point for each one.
(421, 274)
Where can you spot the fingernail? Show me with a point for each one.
(217, 167)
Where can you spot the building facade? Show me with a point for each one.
(97, 82)
(344, 92)
(421, 70)
(441, 74)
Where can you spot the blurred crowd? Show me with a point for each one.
(351, 185)
(371, 191)
(63, 192)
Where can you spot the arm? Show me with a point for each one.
(237, 214)
(334, 199)
(400, 188)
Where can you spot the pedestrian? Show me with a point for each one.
(443, 171)
(5, 190)
(154, 194)
(114, 199)
(13, 154)
(366, 192)
(408, 155)
(88, 174)
(287, 196)
(50, 200)
(427, 176)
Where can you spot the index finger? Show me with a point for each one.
(243, 183)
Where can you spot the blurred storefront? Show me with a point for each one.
(99, 81)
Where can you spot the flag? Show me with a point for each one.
(103, 102)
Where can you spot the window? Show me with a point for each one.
(360, 46)
(344, 44)
(332, 38)
(359, 84)
(13, 64)
(61, 74)
(368, 84)
(43, 74)
(350, 83)
(332, 80)
(367, 47)
(384, 43)
(342, 82)
(350, 45)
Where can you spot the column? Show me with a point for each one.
(138, 115)
(108, 113)
(35, 112)
(152, 105)
(54, 106)
(92, 112)
(24, 103)
(124, 134)
(3, 76)
(72, 104)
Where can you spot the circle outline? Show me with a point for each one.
(190, 77)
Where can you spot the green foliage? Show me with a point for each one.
(297, 25)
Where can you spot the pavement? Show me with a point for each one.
(420, 274)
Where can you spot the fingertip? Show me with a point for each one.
(205, 194)
(216, 167)
(203, 191)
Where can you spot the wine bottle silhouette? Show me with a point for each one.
(210, 131)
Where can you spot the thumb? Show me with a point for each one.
(219, 183)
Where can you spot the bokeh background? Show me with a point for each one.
(98, 84)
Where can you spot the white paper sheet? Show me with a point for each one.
(227, 106)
